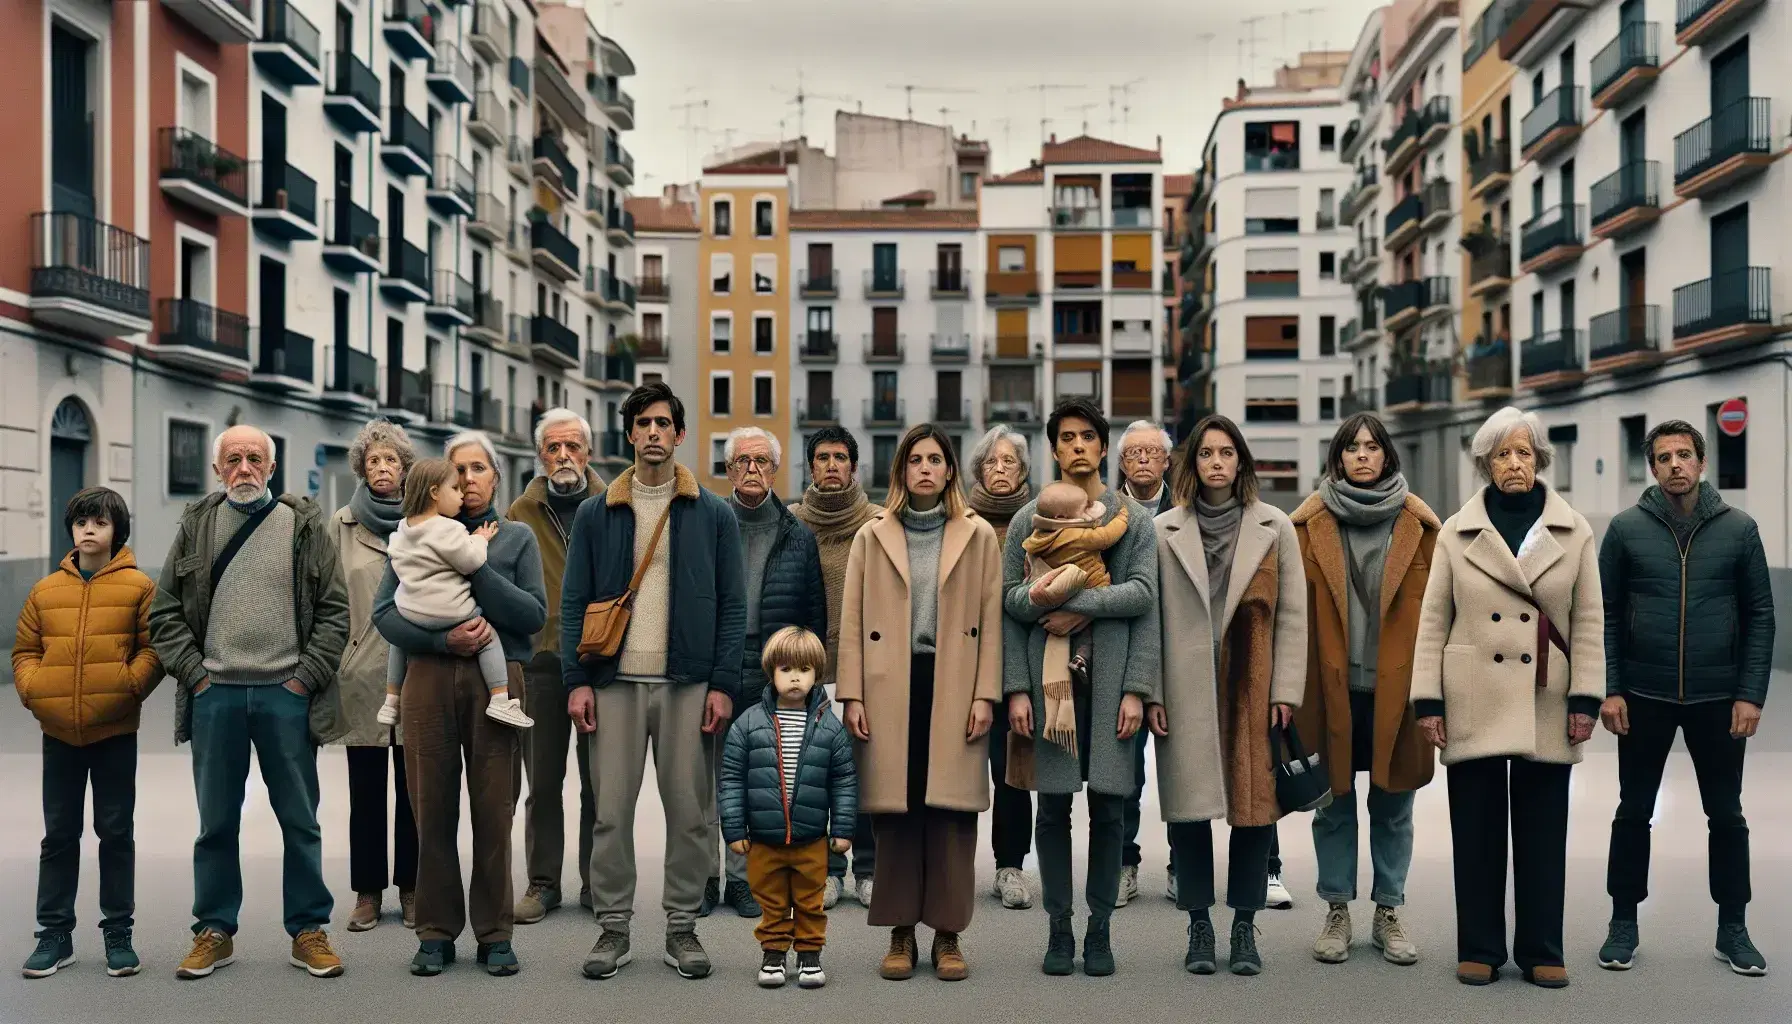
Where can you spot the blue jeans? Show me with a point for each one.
(227, 721)
(1390, 846)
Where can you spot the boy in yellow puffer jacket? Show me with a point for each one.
(83, 665)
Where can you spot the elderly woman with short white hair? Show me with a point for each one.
(1508, 674)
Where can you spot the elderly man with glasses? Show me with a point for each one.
(784, 588)
(1145, 463)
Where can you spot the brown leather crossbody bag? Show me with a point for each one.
(606, 621)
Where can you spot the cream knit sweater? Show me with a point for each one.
(645, 644)
(432, 561)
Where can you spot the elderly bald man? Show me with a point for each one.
(250, 617)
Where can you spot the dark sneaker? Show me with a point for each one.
(1734, 948)
(712, 897)
(808, 969)
(771, 968)
(1243, 957)
(1619, 951)
(1098, 951)
(433, 957)
(55, 950)
(121, 959)
(1201, 958)
(585, 898)
(739, 899)
(499, 959)
(609, 955)
(1060, 950)
(685, 955)
(536, 902)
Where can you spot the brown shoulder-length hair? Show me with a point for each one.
(897, 500)
(1346, 436)
(421, 483)
(1188, 474)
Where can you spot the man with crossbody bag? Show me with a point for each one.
(250, 618)
(652, 627)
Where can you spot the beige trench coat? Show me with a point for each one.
(361, 681)
(874, 660)
(1216, 760)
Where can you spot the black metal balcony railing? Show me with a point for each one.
(1434, 113)
(354, 80)
(653, 348)
(1688, 11)
(407, 263)
(1422, 387)
(1551, 352)
(549, 148)
(1745, 126)
(620, 220)
(1360, 400)
(408, 390)
(285, 187)
(1437, 197)
(1272, 160)
(1495, 262)
(885, 348)
(1403, 296)
(818, 410)
(545, 330)
(421, 16)
(547, 237)
(1560, 108)
(1732, 298)
(616, 156)
(951, 410)
(453, 176)
(1406, 131)
(1495, 159)
(519, 74)
(1366, 179)
(820, 345)
(1636, 45)
(950, 282)
(190, 323)
(355, 373)
(950, 347)
(885, 283)
(1351, 131)
(1622, 331)
(1556, 226)
(287, 353)
(1404, 212)
(453, 291)
(352, 227)
(189, 156)
(77, 257)
(653, 288)
(281, 22)
(885, 410)
(1635, 185)
(1439, 291)
(1490, 369)
(818, 282)
(404, 129)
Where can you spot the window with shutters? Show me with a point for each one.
(186, 457)
(1271, 273)
(1272, 337)
(1272, 399)
(1272, 211)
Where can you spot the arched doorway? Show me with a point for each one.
(71, 433)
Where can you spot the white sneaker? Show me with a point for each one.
(1389, 936)
(387, 714)
(508, 710)
(772, 969)
(1129, 886)
(1333, 944)
(1278, 895)
(861, 891)
(830, 893)
(1011, 885)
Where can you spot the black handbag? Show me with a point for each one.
(1301, 784)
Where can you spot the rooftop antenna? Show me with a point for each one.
(1248, 44)
(909, 90)
(1042, 89)
(1124, 91)
(1007, 126)
(1084, 109)
(690, 129)
(1307, 13)
(802, 98)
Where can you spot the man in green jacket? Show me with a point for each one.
(1689, 648)
(250, 618)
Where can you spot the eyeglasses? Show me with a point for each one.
(1146, 452)
(752, 462)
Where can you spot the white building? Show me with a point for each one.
(883, 317)
(1270, 255)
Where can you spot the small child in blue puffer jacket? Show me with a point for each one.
(788, 785)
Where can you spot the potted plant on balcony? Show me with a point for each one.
(224, 164)
(1479, 239)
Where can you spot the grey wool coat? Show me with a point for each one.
(1124, 659)
(1216, 761)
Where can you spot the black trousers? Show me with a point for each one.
(111, 766)
(369, 828)
(1056, 878)
(1011, 822)
(1247, 865)
(1716, 761)
(1483, 792)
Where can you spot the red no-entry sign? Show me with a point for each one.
(1732, 417)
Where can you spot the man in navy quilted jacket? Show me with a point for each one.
(789, 791)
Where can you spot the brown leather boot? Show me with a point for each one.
(366, 915)
(948, 958)
(1547, 977)
(899, 962)
(1471, 973)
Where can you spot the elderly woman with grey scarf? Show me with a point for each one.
(380, 457)
(1366, 544)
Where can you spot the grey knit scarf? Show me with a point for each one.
(1219, 537)
(1365, 518)
(999, 509)
(379, 515)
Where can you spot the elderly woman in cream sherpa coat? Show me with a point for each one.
(1508, 674)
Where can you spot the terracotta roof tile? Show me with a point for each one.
(1087, 150)
(888, 219)
(919, 197)
(1024, 176)
(769, 161)
(1178, 184)
(655, 214)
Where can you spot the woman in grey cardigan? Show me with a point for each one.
(1109, 701)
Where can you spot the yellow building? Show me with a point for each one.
(743, 310)
(1489, 354)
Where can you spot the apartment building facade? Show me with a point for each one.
(1488, 358)
(1178, 188)
(884, 318)
(667, 285)
(1270, 297)
(1073, 300)
(1360, 147)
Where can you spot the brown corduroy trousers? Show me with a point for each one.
(928, 872)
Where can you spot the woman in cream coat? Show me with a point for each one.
(1224, 557)
(1507, 678)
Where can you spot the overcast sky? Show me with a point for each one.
(742, 58)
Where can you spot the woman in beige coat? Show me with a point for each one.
(1508, 674)
(380, 456)
(1234, 612)
(920, 670)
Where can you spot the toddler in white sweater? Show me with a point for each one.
(432, 555)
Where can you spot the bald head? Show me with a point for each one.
(243, 458)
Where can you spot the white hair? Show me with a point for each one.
(478, 437)
(743, 433)
(986, 446)
(267, 441)
(1504, 424)
(556, 416)
(1148, 427)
